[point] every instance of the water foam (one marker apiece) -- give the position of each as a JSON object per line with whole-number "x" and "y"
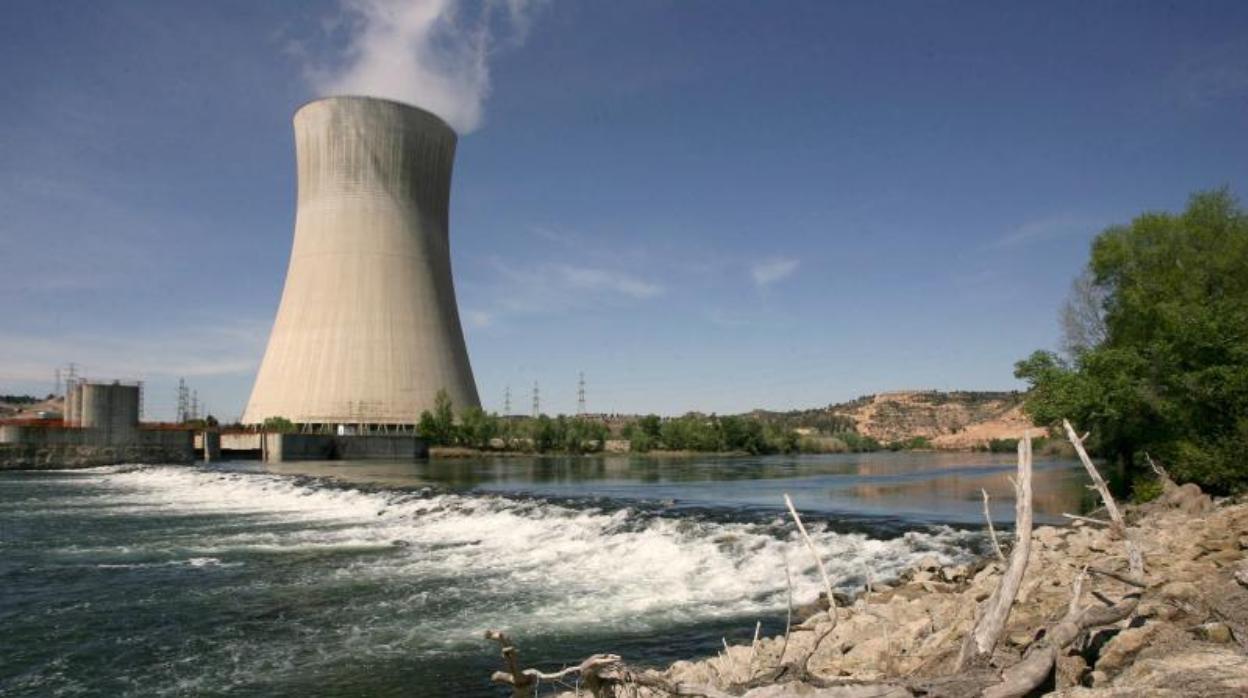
{"x": 274, "y": 579}
{"x": 525, "y": 564}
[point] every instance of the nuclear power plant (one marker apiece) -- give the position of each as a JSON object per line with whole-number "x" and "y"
{"x": 368, "y": 330}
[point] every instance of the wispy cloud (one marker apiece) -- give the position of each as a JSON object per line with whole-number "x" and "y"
{"x": 1215, "y": 75}
{"x": 722, "y": 318}
{"x": 479, "y": 318}
{"x": 773, "y": 270}
{"x": 1040, "y": 230}
{"x": 430, "y": 53}
{"x": 547, "y": 288}
{"x": 587, "y": 278}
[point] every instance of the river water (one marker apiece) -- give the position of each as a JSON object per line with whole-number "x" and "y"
{"x": 380, "y": 578}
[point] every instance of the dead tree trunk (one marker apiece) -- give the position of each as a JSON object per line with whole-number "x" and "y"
{"x": 983, "y": 638}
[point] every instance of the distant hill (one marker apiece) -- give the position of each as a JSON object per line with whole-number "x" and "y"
{"x": 27, "y": 405}
{"x": 954, "y": 420}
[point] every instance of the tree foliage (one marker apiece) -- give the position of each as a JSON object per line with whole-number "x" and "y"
{"x": 280, "y": 425}
{"x": 1170, "y": 374}
{"x": 438, "y": 426}
{"x": 710, "y": 433}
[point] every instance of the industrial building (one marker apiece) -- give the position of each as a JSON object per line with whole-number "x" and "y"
{"x": 100, "y": 426}
{"x": 367, "y": 331}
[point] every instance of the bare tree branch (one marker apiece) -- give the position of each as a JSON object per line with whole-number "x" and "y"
{"x": 810, "y": 545}
{"x": 992, "y": 532}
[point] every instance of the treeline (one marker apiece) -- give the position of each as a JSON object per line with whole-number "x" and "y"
{"x": 479, "y": 429}
{"x": 709, "y": 433}
{"x": 749, "y": 434}
{"x": 23, "y": 399}
{"x": 823, "y": 420}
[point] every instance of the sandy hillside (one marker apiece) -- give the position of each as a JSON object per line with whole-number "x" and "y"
{"x": 953, "y": 420}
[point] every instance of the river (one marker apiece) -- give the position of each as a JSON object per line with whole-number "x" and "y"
{"x": 379, "y": 578}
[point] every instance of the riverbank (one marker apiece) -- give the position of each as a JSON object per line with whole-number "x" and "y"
{"x": 1186, "y": 632}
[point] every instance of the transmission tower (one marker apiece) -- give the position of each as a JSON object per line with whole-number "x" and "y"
{"x": 580, "y": 393}
{"x": 537, "y": 402}
{"x": 507, "y": 402}
{"x": 194, "y": 404}
{"x": 184, "y": 401}
{"x": 70, "y": 375}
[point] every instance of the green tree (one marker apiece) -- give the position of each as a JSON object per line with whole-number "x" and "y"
{"x": 545, "y": 434}
{"x": 280, "y": 425}
{"x": 438, "y": 426}
{"x": 1170, "y": 373}
{"x": 478, "y": 428}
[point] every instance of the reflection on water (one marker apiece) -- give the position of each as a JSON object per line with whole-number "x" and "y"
{"x": 918, "y": 487}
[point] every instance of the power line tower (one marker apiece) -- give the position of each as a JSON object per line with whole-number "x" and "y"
{"x": 70, "y": 375}
{"x": 580, "y": 393}
{"x": 194, "y": 404}
{"x": 184, "y": 401}
{"x": 507, "y": 402}
{"x": 537, "y": 402}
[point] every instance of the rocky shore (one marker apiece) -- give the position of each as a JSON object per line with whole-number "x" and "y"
{"x": 1180, "y": 630}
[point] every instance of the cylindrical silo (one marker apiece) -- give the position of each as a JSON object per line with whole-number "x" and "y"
{"x": 73, "y": 403}
{"x": 367, "y": 330}
{"x": 112, "y": 409}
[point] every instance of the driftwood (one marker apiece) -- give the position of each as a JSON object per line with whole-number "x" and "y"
{"x": 992, "y": 532}
{"x": 983, "y": 638}
{"x": 810, "y": 545}
{"x": 1135, "y": 559}
{"x": 607, "y": 676}
{"x": 1022, "y": 678}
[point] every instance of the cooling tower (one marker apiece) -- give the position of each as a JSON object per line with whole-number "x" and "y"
{"x": 367, "y": 331}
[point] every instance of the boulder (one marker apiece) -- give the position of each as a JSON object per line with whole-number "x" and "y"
{"x": 1118, "y": 652}
{"x": 1070, "y": 670}
{"x": 1214, "y": 632}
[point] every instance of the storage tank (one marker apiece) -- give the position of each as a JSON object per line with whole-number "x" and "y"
{"x": 73, "y": 404}
{"x": 112, "y": 409}
{"x": 367, "y": 330}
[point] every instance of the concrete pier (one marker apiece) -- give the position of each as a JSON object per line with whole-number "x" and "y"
{"x": 211, "y": 441}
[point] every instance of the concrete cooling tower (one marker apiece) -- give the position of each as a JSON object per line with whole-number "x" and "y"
{"x": 367, "y": 331}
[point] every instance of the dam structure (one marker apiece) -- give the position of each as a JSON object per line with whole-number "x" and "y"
{"x": 367, "y": 331}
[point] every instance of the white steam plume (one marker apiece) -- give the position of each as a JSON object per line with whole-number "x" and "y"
{"x": 429, "y": 53}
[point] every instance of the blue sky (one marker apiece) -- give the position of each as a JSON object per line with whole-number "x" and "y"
{"x": 701, "y": 205}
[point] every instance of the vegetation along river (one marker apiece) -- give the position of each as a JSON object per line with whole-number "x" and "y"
{"x": 379, "y": 578}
